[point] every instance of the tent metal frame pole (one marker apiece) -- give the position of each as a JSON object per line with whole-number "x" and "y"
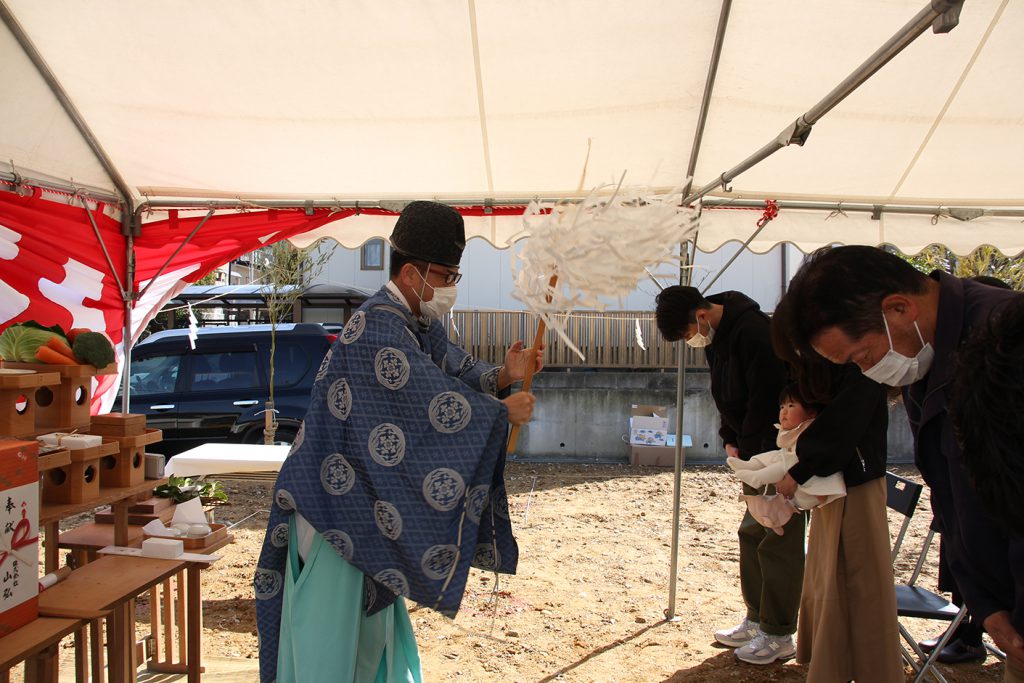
{"x": 735, "y": 256}
{"x": 106, "y": 163}
{"x": 103, "y": 246}
{"x": 126, "y": 339}
{"x": 862, "y": 207}
{"x": 65, "y": 102}
{"x": 176, "y": 251}
{"x": 797, "y": 132}
{"x": 709, "y": 202}
{"x": 26, "y": 179}
{"x": 709, "y": 86}
{"x": 691, "y": 167}
{"x": 942, "y": 14}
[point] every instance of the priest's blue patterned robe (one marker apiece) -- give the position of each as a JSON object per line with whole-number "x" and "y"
{"x": 399, "y": 465}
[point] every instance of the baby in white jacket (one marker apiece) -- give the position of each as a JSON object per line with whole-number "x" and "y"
{"x": 767, "y": 468}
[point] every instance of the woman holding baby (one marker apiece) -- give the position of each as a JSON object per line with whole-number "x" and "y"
{"x": 848, "y": 628}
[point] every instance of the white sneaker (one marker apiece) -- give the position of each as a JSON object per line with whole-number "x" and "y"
{"x": 765, "y": 649}
{"x": 738, "y": 635}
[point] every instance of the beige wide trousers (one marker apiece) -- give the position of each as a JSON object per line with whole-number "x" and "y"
{"x": 848, "y": 629}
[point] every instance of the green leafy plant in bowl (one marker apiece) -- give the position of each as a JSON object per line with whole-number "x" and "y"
{"x": 185, "y": 488}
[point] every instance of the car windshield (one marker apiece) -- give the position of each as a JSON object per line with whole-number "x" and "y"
{"x": 154, "y": 375}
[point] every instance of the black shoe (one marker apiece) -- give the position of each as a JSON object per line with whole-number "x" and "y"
{"x": 958, "y": 652}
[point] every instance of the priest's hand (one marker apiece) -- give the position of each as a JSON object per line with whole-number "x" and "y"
{"x": 516, "y": 362}
{"x": 520, "y": 407}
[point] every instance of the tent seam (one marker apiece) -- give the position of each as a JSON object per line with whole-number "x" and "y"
{"x": 949, "y": 100}
{"x": 481, "y": 108}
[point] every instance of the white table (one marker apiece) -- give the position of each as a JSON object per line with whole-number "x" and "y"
{"x": 222, "y": 458}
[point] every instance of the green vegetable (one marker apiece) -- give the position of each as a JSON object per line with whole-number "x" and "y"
{"x": 19, "y": 343}
{"x": 184, "y": 488}
{"x": 93, "y": 348}
{"x": 56, "y": 329}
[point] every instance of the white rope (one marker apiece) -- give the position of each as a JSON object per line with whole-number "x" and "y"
{"x": 599, "y": 248}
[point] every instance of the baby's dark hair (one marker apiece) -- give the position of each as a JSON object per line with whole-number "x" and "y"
{"x": 791, "y": 392}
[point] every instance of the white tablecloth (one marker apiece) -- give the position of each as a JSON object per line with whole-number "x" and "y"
{"x": 222, "y": 458}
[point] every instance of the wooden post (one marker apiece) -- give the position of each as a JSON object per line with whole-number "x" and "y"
{"x": 81, "y": 654}
{"x": 269, "y": 423}
{"x": 52, "y": 551}
{"x": 120, "y": 509}
{"x": 167, "y": 608}
{"x": 195, "y": 623}
{"x": 179, "y": 613}
{"x": 96, "y": 649}
{"x": 155, "y": 612}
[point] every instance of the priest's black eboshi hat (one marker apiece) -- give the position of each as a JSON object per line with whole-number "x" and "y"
{"x": 431, "y": 232}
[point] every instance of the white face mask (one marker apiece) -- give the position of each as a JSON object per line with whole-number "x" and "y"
{"x": 700, "y": 340}
{"x": 442, "y": 303}
{"x": 898, "y": 370}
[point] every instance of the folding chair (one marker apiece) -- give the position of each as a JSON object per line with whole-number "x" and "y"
{"x": 912, "y": 601}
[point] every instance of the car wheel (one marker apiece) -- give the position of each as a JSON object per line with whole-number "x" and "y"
{"x": 284, "y": 436}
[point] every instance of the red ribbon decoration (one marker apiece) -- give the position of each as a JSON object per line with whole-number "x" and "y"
{"x": 19, "y": 539}
{"x": 771, "y": 210}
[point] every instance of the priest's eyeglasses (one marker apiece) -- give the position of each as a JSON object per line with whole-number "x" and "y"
{"x": 451, "y": 277}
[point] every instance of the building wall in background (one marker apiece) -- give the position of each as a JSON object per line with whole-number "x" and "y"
{"x": 585, "y": 416}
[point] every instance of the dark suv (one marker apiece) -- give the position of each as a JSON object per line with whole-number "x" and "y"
{"x": 218, "y": 391}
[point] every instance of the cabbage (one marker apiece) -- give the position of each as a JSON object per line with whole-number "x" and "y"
{"x": 18, "y": 343}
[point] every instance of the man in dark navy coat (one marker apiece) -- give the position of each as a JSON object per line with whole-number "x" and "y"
{"x": 865, "y": 306}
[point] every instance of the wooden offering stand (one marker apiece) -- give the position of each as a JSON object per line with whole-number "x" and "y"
{"x": 79, "y": 480}
{"x": 63, "y": 406}
{"x": 120, "y": 499}
{"x": 17, "y": 399}
{"x": 101, "y": 589}
{"x": 127, "y": 465}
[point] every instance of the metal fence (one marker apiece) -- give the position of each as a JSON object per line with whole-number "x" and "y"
{"x": 608, "y": 340}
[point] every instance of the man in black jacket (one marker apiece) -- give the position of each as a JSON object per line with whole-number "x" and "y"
{"x": 746, "y": 379}
{"x": 865, "y": 306}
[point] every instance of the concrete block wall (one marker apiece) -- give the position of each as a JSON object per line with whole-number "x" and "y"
{"x": 584, "y": 416}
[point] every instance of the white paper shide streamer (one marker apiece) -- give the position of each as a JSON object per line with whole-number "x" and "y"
{"x": 639, "y": 333}
{"x": 193, "y": 328}
{"x": 599, "y": 249}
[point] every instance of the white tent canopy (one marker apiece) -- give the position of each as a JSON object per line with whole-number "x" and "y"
{"x": 477, "y": 102}
{"x": 497, "y": 101}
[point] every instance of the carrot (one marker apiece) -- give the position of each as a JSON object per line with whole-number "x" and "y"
{"x": 60, "y": 346}
{"x": 74, "y": 332}
{"x": 44, "y": 354}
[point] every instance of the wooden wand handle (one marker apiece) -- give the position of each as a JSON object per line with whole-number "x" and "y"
{"x": 531, "y": 367}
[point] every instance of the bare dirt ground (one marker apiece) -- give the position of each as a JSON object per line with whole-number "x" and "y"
{"x": 589, "y": 601}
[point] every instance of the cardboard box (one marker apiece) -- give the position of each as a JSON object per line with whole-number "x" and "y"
{"x": 657, "y": 456}
{"x": 652, "y": 456}
{"x": 19, "y": 534}
{"x": 648, "y": 425}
